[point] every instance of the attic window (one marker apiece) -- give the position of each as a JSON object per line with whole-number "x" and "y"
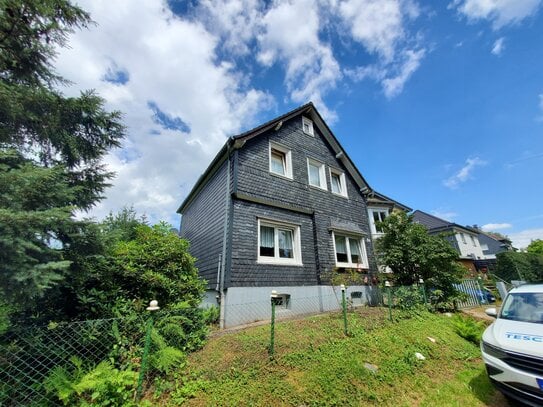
{"x": 280, "y": 161}
{"x": 337, "y": 182}
{"x": 307, "y": 126}
{"x": 316, "y": 173}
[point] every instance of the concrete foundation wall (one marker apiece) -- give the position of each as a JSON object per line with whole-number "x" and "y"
{"x": 244, "y": 305}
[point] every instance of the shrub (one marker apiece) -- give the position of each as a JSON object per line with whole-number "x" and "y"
{"x": 468, "y": 328}
{"x": 102, "y": 385}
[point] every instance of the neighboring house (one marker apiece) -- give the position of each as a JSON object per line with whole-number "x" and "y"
{"x": 492, "y": 244}
{"x": 463, "y": 239}
{"x": 281, "y": 207}
{"x": 379, "y": 208}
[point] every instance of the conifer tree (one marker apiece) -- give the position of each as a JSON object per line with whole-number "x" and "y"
{"x": 51, "y": 147}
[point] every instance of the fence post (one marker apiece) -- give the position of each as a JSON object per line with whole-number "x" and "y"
{"x": 153, "y": 306}
{"x": 344, "y": 305}
{"x": 273, "y": 298}
{"x": 421, "y": 282}
{"x": 387, "y": 284}
{"x": 482, "y": 288}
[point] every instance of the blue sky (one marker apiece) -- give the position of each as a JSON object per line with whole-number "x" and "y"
{"x": 439, "y": 104}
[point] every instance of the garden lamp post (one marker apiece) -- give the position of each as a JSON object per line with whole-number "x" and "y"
{"x": 153, "y": 306}
{"x": 421, "y": 282}
{"x": 387, "y": 285}
{"x": 273, "y": 298}
{"x": 344, "y": 305}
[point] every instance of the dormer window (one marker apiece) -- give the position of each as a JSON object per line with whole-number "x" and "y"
{"x": 307, "y": 126}
{"x": 280, "y": 161}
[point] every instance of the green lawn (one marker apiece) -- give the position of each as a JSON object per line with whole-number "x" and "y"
{"x": 316, "y": 365}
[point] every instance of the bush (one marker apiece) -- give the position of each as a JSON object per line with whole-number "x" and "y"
{"x": 102, "y": 385}
{"x": 520, "y": 266}
{"x": 468, "y": 328}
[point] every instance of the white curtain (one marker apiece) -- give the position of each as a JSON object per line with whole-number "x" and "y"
{"x": 285, "y": 243}
{"x": 341, "y": 247}
{"x": 314, "y": 178}
{"x": 354, "y": 245}
{"x": 266, "y": 236}
{"x": 278, "y": 162}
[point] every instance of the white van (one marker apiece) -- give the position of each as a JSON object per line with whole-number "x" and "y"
{"x": 512, "y": 346}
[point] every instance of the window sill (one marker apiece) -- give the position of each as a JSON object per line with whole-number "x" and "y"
{"x": 340, "y": 195}
{"x": 354, "y": 266}
{"x": 281, "y": 176}
{"x": 318, "y": 188}
{"x": 276, "y": 262}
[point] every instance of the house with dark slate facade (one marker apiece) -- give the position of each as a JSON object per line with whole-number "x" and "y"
{"x": 281, "y": 207}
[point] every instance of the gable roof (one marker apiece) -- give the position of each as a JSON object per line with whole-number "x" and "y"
{"x": 435, "y": 224}
{"x": 238, "y": 141}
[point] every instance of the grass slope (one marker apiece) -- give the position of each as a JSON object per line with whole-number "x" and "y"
{"x": 316, "y": 365}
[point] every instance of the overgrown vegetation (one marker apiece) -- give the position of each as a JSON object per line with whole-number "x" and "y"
{"x": 413, "y": 254}
{"x": 468, "y": 328}
{"x": 316, "y": 365}
{"x": 520, "y": 266}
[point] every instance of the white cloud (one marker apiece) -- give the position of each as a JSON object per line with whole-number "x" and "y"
{"x": 522, "y": 239}
{"x": 290, "y": 36}
{"x": 377, "y": 24}
{"x": 380, "y": 26}
{"x": 498, "y": 46}
{"x": 198, "y": 69}
{"x": 464, "y": 173}
{"x": 236, "y": 21}
{"x": 394, "y": 85}
{"x": 444, "y": 214}
{"x": 490, "y": 227}
{"x": 500, "y": 12}
{"x": 171, "y": 62}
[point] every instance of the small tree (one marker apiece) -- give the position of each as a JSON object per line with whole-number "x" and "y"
{"x": 535, "y": 247}
{"x": 412, "y": 253}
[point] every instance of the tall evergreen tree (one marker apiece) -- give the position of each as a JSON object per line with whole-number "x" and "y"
{"x": 51, "y": 147}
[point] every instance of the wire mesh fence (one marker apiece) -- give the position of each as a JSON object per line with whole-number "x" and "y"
{"x": 47, "y": 365}
{"x": 28, "y": 355}
{"x": 32, "y": 358}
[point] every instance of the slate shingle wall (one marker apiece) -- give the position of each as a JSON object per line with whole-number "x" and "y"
{"x": 254, "y": 179}
{"x": 203, "y": 225}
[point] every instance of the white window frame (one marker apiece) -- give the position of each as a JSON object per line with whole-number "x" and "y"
{"x": 473, "y": 241}
{"x": 309, "y": 123}
{"x": 362, "y": 245}
{"x": 322, "y": 173}
{"x": 342, "y": 183}
{"x": 372, "y": 220}
{"x": 296, "y": 244}
{"x": 463, "y": 237}
{"x": 287, "y": 163}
